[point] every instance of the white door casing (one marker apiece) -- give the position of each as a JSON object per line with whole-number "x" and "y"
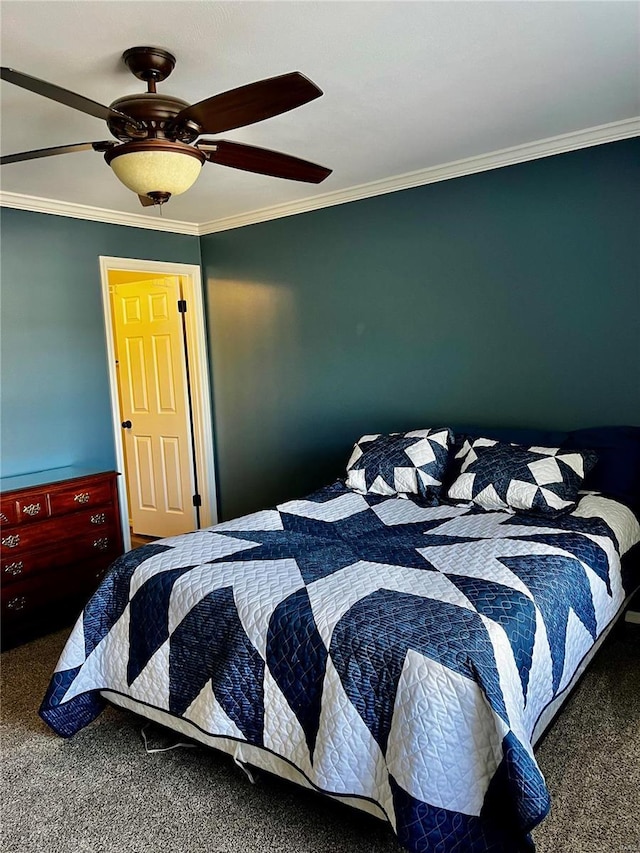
{"x": 195, "y": 336}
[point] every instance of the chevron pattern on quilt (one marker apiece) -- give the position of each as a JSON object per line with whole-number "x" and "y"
{"x": 410, "y": 463}
{"x": 498, "y": 476}
{"x": 388, "y": 650}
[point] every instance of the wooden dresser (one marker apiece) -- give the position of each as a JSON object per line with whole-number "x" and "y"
{"x": 60, "y": 532}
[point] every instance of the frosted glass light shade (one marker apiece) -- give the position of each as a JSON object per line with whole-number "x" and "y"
{"x": 156, "y": 166}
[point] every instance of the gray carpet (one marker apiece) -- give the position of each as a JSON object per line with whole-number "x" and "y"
{"x": 101, "y": 792}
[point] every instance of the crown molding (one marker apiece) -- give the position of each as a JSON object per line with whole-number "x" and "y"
{"x": 95, "y": 214}
{"x": 612, "y": 132}
{"x": 599, "y": 135}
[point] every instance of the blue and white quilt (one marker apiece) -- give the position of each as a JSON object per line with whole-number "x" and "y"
{"x": 391, "y": 652}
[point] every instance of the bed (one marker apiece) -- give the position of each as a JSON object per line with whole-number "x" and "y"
{"x": 398, "y": 652}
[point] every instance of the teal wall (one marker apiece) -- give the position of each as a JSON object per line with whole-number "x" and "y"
{"x": 509, "y": 297}
{"x": 55, "y": 388}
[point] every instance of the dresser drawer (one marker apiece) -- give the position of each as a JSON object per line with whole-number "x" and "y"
{"x": 8, "y": 511}
{"x": 15, "y": 567}
{"x": 99, "y": 525}
{"x": 72, "y": 497}
{"x": 32, "y": 508}
{"x": 23, "y": 600}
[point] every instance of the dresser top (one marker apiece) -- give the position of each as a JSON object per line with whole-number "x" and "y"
{"x": 41, "y": 478}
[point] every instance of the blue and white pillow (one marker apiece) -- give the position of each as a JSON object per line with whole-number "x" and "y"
{"x": 499, "y": 476}
{"x": 401, "y": 463}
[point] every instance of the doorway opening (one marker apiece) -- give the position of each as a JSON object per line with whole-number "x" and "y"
{"x": 160, "y": 397}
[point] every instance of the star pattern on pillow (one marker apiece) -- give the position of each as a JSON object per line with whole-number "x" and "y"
{"x": 401, "y": 463}
{"x": 499, "y": 476}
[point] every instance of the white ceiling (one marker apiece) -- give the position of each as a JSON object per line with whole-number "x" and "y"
{"x": 408, "y": 85}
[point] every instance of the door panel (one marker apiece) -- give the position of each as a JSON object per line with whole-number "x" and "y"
{"x": 162, "y": 359}
{"x": 143, "y": 473}
{"x": 158, "y": 306}
{"x": 153, "y": 393}
{"x": 136, "y": 371}
{"x": 131, "y": 309}
{"x": 172, "y": 474}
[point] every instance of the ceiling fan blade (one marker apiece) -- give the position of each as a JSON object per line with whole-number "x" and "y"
{"x": 145, "y": 201}
{"x": 261, "y": 160}
{"x": 63, "y": 96}
{"x": 58, "y": 149}
{"x": 251, "y": 103}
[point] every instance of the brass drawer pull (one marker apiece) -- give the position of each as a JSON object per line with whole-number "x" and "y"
{"x": 17, "y": 603}
{"x": 11, "y": 541}
{"x": 82, "y": 497}
{"x": 32, "y": 509}
{"x": 3, "y": 518}
{"x": 101, "y": 544}
{"x": 14, "y": 568}
{"x": 98, "y": 518}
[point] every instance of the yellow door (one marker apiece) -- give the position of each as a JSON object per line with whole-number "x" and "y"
{"x": 152, "y": 380}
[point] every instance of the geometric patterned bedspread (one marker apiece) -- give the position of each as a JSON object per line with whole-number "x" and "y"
{"x": 389, "y": 651}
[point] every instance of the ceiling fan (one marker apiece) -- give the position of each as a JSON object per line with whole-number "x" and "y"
{"x": 159, "y": 154}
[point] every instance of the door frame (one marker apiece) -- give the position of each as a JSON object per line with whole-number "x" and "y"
{"x": 197, "y": 354}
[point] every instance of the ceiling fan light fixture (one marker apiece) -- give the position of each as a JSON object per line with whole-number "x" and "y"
{"x": 156, "y": 166}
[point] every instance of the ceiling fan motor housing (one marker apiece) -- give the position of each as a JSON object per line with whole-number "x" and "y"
{"x": 155, "y": 112}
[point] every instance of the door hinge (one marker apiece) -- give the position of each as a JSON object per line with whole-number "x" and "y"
{"x": 182, "y": 306}
{"x": 197, "y": 500}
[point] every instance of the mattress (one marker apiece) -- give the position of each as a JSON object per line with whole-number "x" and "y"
{"x": 398, "y": 657}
